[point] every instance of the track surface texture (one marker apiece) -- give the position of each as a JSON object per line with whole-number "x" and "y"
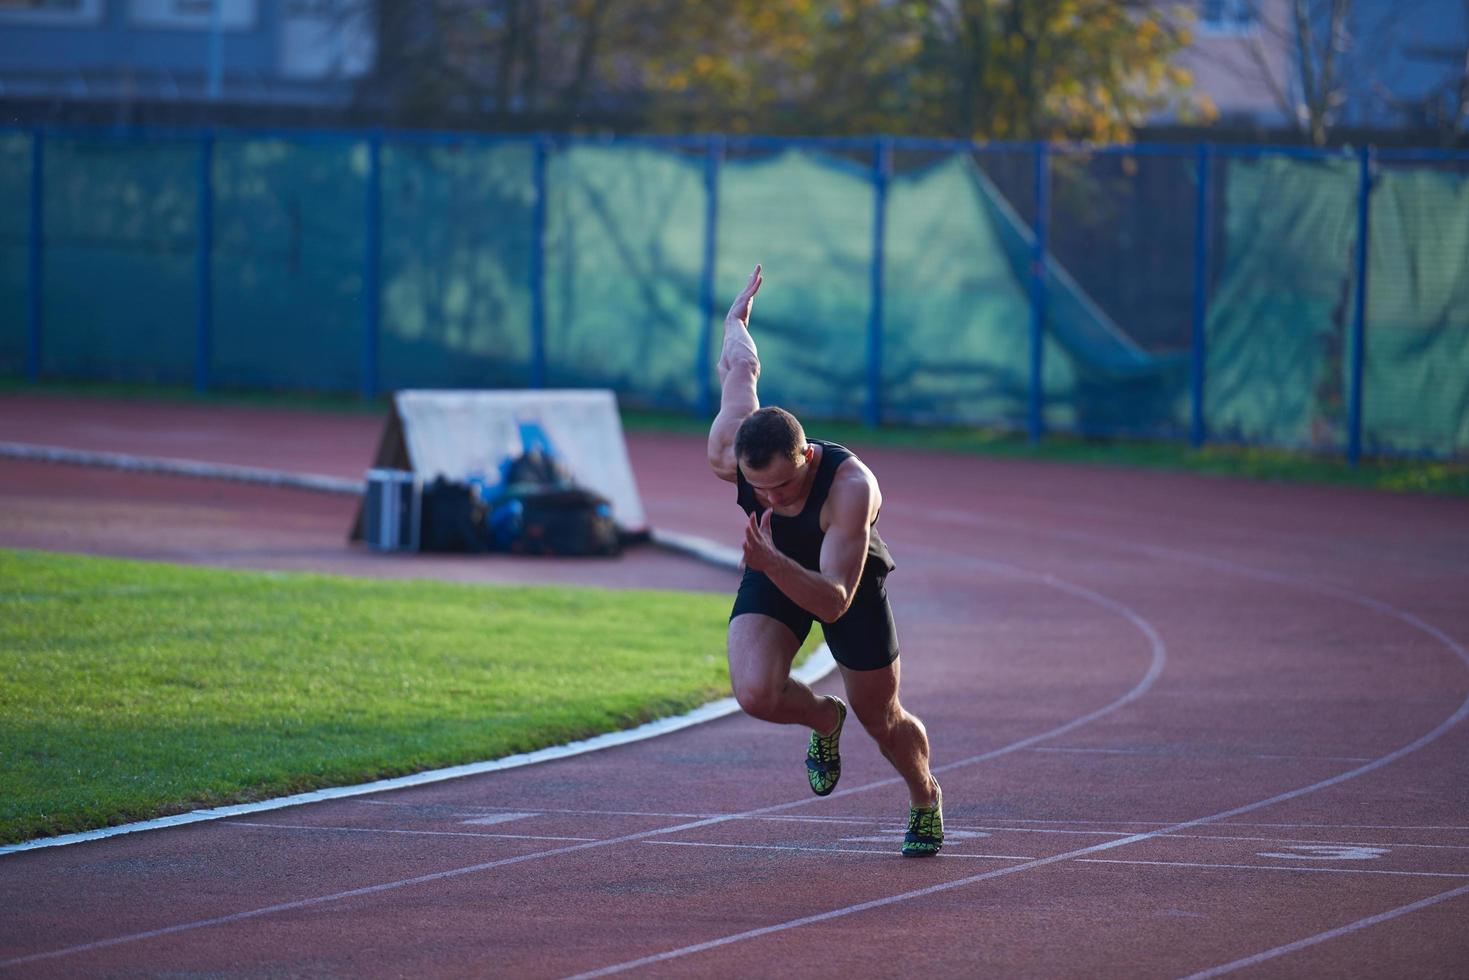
{"x": 1185, "y": 726}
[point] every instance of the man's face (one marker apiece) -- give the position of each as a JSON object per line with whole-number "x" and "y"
{"x": 782, "y": 481}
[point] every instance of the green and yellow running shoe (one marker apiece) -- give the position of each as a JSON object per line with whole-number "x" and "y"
{"x": 925, "y": 828}
{"x": 823, "y": 761}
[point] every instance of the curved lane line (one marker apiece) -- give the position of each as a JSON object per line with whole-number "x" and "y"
{"x": 1278, "y": 578}
{"x": 1155, "y": 665}
{"x": 1157, "y": 660}
{"x": 1322, "y": 937}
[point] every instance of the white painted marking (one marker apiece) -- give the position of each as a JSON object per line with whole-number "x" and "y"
{"x": 1160, "y": 753}
{"x": 462, "y": 810}
{"x": 388, "y": 830}
{"x": 1281, "y": 867}
{"x": 499, "y": 818}
{"x": 1322, "y": 937}
{"x": 890, "y": 834}
{"x": 1331, "y": 843}
{"x": 1328, "y": 852}
{"x": 1247, "y": 823}
{"x": 890, "y": 852}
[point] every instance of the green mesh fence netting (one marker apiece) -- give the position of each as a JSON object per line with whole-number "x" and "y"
{"x": 624, "y": 257}
{"x": 956, "y": 325}
{"x": 1416, "y": 364}
{"x": 623, "y": 267}
{"x": 807, "y": 217}
{"x": 1281, "y": 308}
{"x": 15, "y": 224}
{"x": 288, "y": 259}
{"x": 120, "y": 270}
{"x": 457, "y": 236}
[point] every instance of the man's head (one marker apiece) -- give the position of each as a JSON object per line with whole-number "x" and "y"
{"x": 772, "y": 452}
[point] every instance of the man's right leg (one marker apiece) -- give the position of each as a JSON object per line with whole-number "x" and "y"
{"x": 761, "y": 650}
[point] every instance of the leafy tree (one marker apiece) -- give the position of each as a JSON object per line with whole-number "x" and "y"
{"x": 1087, "y": 69}
{"x": 1021, "y": 69}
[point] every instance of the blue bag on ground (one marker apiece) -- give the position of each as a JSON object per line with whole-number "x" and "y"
{"x": 541, "y": 511}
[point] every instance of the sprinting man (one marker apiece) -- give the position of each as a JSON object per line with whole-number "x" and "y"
{"x": 812, "y": 552}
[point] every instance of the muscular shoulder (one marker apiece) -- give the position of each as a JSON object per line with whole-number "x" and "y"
{"x": 854, "y": 499}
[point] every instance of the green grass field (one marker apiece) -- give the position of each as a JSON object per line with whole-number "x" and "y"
{"x": 135, "y": 689}
{"x": 1392, "y": 474}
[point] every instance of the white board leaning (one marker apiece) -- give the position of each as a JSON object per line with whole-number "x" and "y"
{"x": 464, "y": 434}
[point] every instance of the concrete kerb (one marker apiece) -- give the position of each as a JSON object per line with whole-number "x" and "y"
{"x": 817, "y": 666}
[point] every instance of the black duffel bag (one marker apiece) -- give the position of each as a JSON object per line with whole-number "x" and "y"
{"x": 453, "y": 518}
{"x": 528, "y": 519}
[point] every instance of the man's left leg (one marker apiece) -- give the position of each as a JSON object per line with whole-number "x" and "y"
{"x": 873, "y": 696}
{"x": 902, "y": 739}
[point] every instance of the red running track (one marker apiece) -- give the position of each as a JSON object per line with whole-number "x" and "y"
{"x": 1183, "y": 724}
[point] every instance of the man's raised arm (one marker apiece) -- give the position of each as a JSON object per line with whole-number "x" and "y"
{"x": 739, "y": 370}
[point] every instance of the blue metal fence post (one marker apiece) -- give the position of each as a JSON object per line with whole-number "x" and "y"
{"x": 204, "y": 271}
{"x": 1203, "y": 239}
{"x": 538, "y": 270}
{"x": 712, "y": 160}
{"x": 882, "y": 165}
{"x": 372, "y": 267}
{"x": 1038, "y": 289}
{"x": 35, "y": 256}
{"x": 1359, "y": 315}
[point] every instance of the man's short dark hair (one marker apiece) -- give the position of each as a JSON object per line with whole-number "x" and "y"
{"x": 766, "y": 434}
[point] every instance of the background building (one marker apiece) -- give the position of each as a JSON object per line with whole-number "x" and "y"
{"x": 1361, "y": 64}
{"x": 131, "y": 54}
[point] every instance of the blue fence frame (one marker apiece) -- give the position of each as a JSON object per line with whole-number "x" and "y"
{"x": 715, "y": 148}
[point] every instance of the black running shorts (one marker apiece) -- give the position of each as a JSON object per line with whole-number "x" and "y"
{"x": 863, "y": 639}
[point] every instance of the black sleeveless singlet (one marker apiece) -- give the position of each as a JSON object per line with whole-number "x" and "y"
{"x": 800, "y": 537}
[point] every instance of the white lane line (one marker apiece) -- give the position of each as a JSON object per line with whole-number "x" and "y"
{"x": 1279, "y": 867}
{"x": 1330, "y": 934}
{"x": 825, "y": 850}
{"x": 386, "y": 830}
{"x": 1222, "y": 757}
{"x": 1157, "y": 648}
{"x": 1350, "y": 826}
{"x": 1332, "y": 843}
{"x": 1249, "y": 823}
{"x": 462, "y": 810}
{"x": 1438, "y": 731}
{"x": 1157, "y": 659}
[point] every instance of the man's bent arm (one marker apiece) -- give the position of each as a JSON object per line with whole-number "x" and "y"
{"x": 827, "y": 594}
{"x": 739, "y": 371}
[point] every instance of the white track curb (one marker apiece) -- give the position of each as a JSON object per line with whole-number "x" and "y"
{"x": 816, "y": 667}
{"x": 180, "y": 467}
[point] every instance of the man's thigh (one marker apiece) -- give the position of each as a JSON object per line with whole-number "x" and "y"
{"x": 873, "y": 694}
{"x": 761, "y": 649}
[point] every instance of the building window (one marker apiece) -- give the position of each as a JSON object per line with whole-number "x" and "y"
{"x": 1227, "y": 17}
{"x": 193, "y": 15}
{"x": 51, "y": 13}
